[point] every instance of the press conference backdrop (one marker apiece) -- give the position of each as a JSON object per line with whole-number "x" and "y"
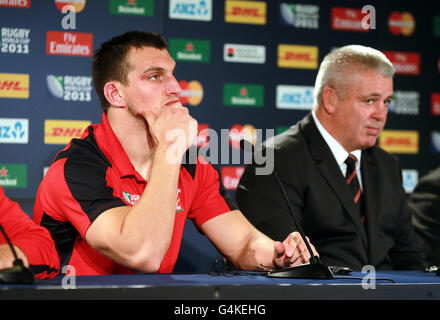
{"x": 244, "y": 67}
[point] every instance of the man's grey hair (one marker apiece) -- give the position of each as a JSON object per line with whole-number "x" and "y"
{"x": 339, "y": 64}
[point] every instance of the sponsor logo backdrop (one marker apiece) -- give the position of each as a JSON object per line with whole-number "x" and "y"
{"x": 242, "y": 65}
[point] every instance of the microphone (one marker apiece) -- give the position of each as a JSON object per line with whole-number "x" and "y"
{"x": 18, "y": 273}
{"x": 315, "y": 269}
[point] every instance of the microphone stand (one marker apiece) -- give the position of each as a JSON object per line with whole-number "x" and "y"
{"x": 315, "y": 269}
{"x": 18, "y": 273}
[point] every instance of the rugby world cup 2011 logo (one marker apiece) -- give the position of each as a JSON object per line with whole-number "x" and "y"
{"x": 70, "y": 88}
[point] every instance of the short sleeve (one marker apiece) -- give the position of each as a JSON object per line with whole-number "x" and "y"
{"x": 208, "y": 203}
{"x": 76, "y": 191}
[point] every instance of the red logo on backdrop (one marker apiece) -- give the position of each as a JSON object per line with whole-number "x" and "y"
{"x": 202, "y": 135}
{"x": 78, "y": 5}
{"x": 231, "y": 176}
{"x": 404, "y": 62}
{"x": 435, "y": 104}
{"x": 238, "y": 132}
{"x": 401, "y": 23}
{"x": 192, "y": 92}
{"x": 348, "y": 19}
{"x": 69, "y": 43}
{"x": 235, "y": 135}
{"x": 24, "y": 4}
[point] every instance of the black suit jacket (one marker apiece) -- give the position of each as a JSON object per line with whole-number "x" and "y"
{"x": 319, "y": 195}
{"x": 425, "y": 205}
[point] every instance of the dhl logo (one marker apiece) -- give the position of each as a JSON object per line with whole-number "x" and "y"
{"x": 67, "y": 132}
{"x": 400, "y": 141}
{"x": 249, "y": 12}
{"x": 11, "y": 86}
{"x": 14, "y": 85}
{"x": 62, "y": 131}
{"x": 298, "y": 56}
{"x": 294, "y": 56}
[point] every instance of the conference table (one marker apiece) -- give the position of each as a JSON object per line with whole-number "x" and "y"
{"x": 379, "y": 285}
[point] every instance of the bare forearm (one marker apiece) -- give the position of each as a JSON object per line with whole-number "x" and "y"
{"x": 145, "y": 229}
{"x": 156, "y": 206}
{"x": 249, "y": 249}
{"x": 240, "y": 242}
{"x": 257, "y": 254}
{"x": 7, "y": 257}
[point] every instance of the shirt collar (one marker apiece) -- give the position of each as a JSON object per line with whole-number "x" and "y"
{"x": 336, "y": 148}
{"x": 113, "y": 150}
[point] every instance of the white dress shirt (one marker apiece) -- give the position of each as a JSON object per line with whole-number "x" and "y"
{"x": 338, "y": 150}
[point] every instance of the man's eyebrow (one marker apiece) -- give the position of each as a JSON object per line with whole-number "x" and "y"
{"x": 378, "y": 95}
{"x": 150, "y": 69}
{"x": 156, "y": 68}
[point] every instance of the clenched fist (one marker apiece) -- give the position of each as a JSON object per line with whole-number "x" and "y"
{"x": 173, "y": 129}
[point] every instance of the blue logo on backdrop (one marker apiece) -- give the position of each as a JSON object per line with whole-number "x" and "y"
{"x": 435, "y": 141}
{"x": 410, "y": 179}
{"x": 295, "y": 97}
{"x": 191, "y": 9}
{"x": 14, "y": 130}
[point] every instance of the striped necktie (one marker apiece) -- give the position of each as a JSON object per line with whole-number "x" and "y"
{"x": 353, "y": 183}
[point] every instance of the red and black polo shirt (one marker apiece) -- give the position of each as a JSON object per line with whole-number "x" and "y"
{"x": 31, "y": 238}
{"x": 94, "y": 174}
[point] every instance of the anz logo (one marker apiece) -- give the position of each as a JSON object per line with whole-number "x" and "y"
{"x": 14, "y": 130}
{"x": 191, "y": 9}
{"x": 295, "y": 97}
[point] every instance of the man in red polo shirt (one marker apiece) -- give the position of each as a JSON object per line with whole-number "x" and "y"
{"x": 116, "y": 200}
{"x": 32, "y": 243}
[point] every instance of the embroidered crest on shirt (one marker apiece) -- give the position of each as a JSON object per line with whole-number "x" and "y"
{"x": 133, "y": 198}
{"x": 179, "y": 207}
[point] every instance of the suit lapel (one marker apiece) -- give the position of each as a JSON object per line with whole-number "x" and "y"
{"x": 328, "y": 167}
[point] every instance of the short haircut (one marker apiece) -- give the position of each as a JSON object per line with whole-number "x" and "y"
{"x": 337, "y": 66}
{"x": 110, "y": 60}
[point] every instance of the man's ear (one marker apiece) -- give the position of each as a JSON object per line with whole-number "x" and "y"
{"x": 329, "y": 99}
{"x": 113, "y": 94}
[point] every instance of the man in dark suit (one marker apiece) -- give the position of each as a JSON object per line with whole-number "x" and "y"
{"x": 346, "y": 190}
{"x": 425, "y": 206}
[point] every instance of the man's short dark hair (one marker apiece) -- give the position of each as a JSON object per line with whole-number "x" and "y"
{"x": 110, "y": 60}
